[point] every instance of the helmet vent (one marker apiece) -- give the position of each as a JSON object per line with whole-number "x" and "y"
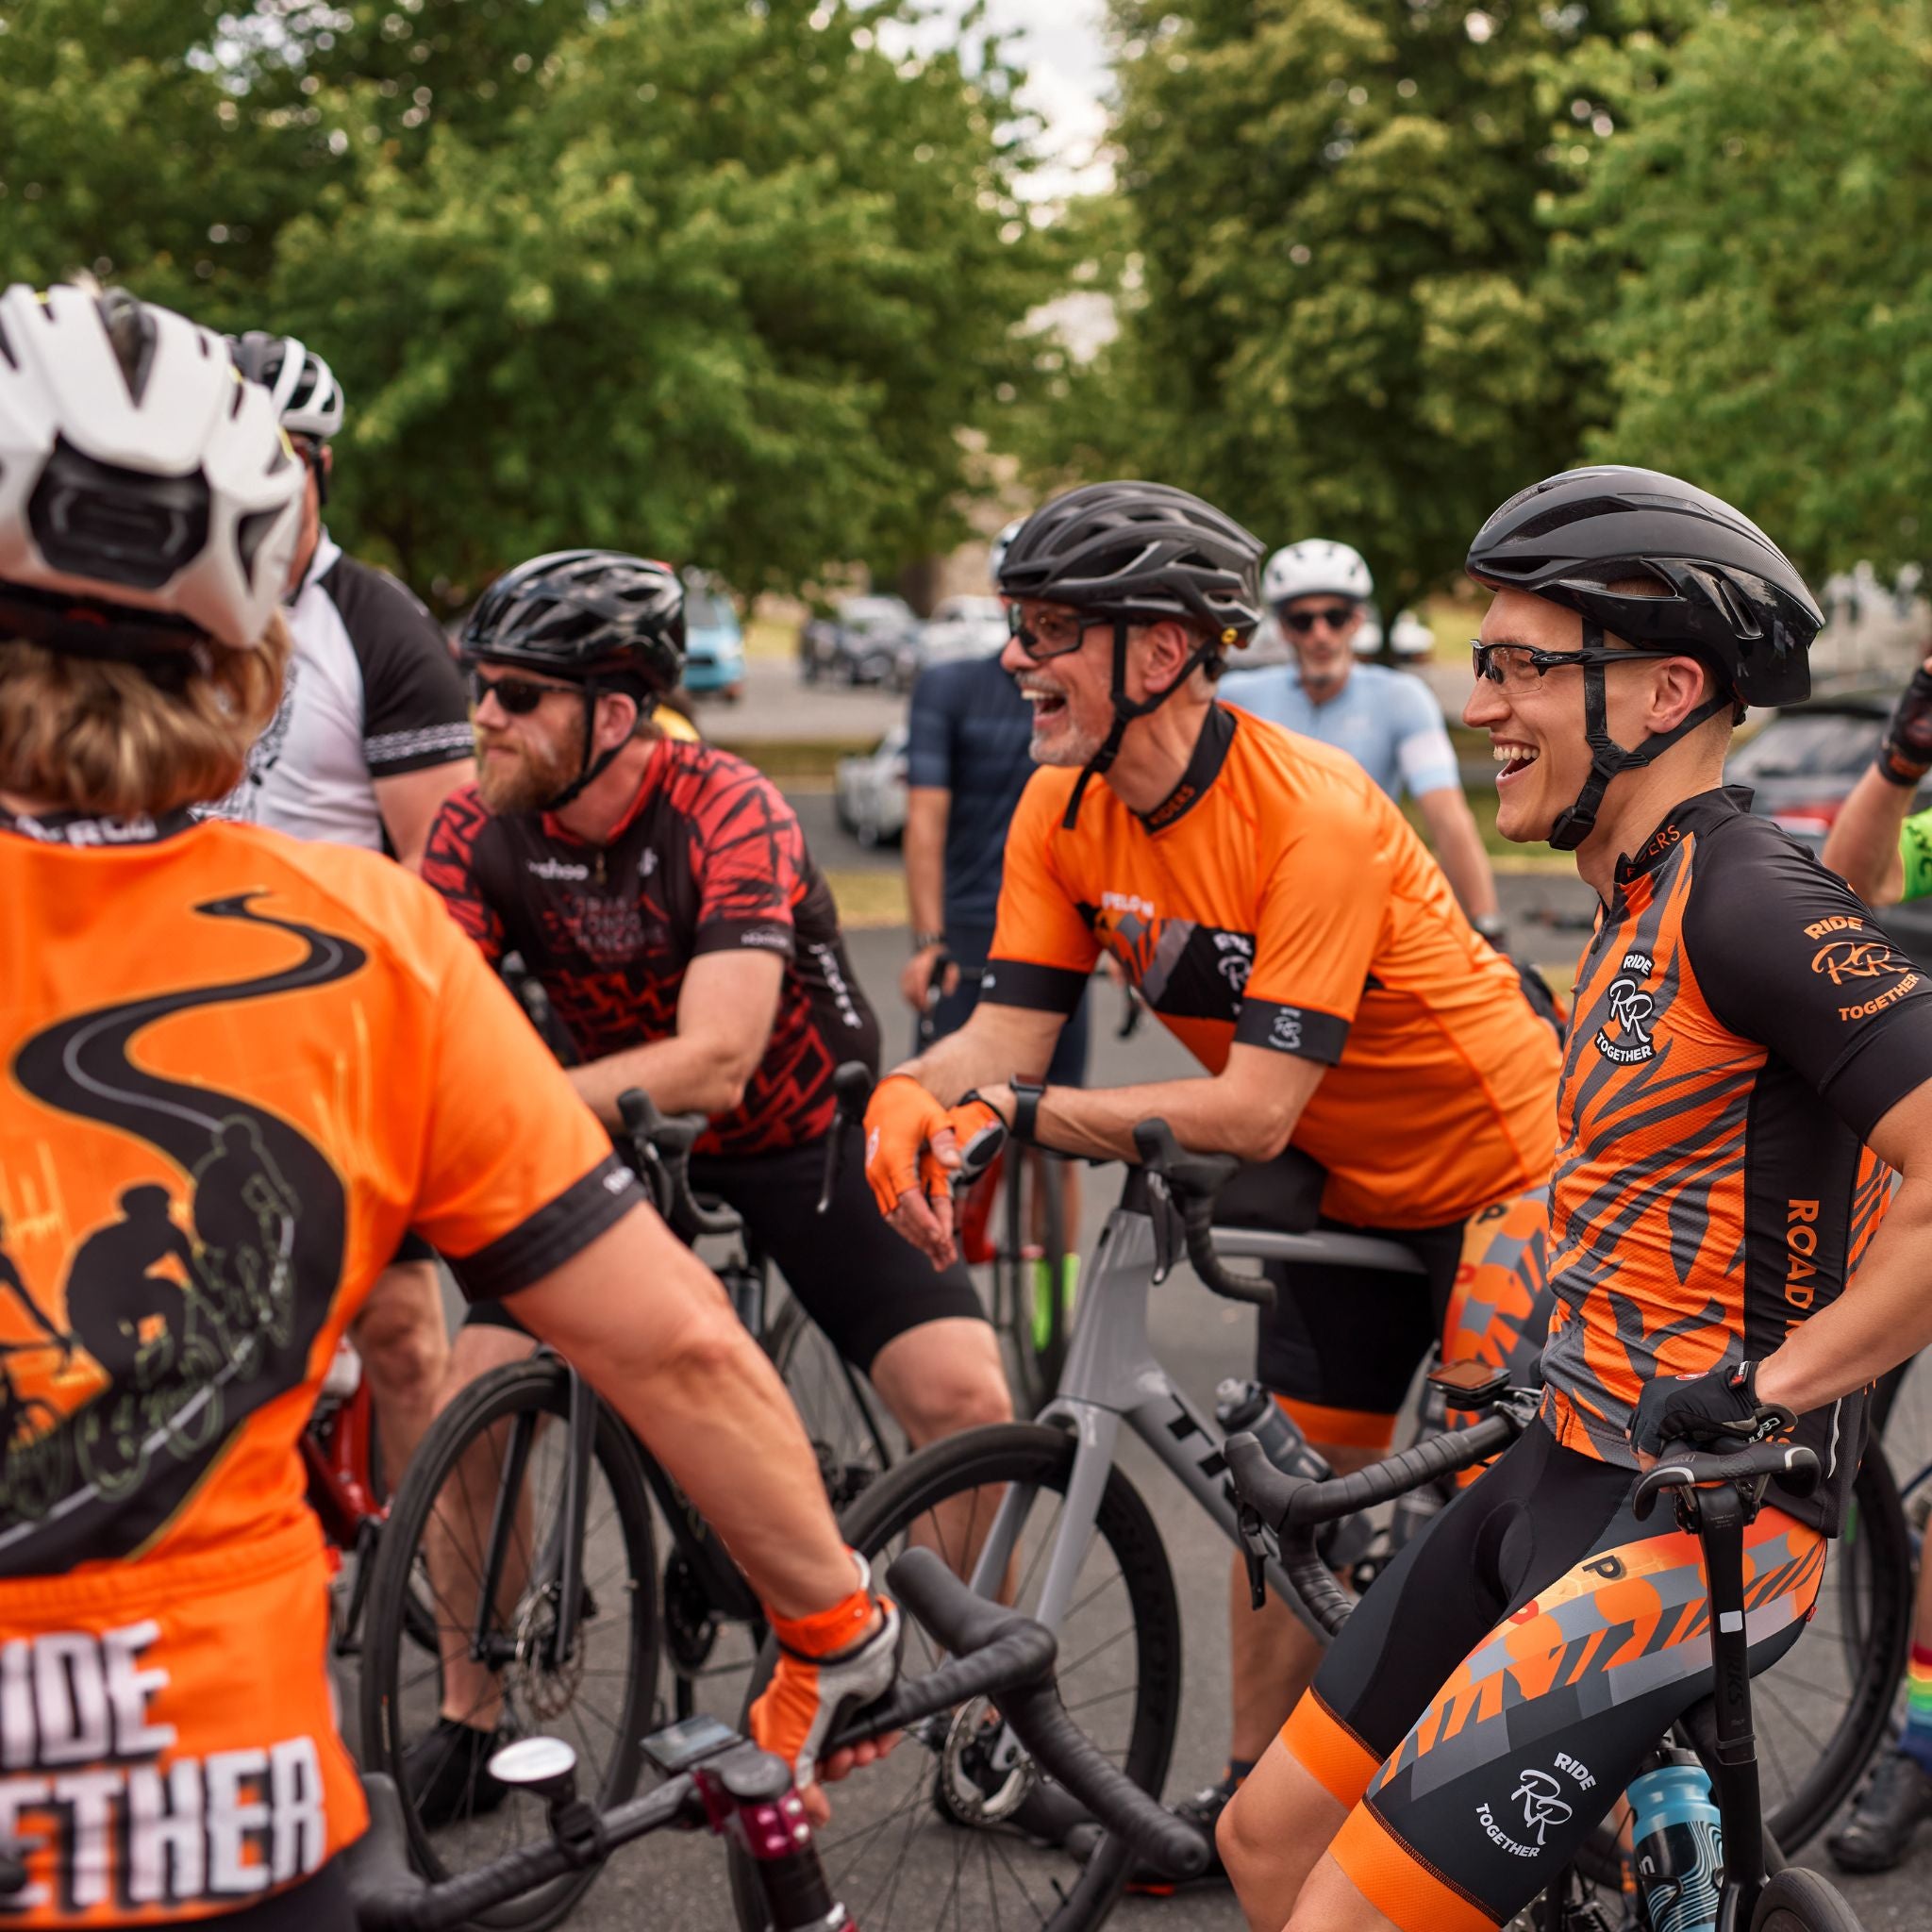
{"x": 93, "y": 520}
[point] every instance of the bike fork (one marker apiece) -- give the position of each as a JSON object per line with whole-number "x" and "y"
{"x": 1734, "y": 1766}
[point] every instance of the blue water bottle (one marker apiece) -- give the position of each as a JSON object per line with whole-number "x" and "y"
{"x": 1677, "y": 1848}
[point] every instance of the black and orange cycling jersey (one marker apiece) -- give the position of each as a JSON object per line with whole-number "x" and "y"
{"x": 708, "y": 858}
{"x": 1278, "y": 899}
{"x": 238, "y": 1069}
{"x": 1703, "y": 1203}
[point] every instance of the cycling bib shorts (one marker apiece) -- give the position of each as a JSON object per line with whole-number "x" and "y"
{"x": 1496, "y": 1692}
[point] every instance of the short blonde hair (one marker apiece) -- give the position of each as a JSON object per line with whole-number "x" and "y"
{"x": 102, "y": 735}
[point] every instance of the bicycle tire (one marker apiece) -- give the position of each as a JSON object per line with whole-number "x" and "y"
{"x": 1796, "y": 1899}
{"x": 391, "y": 1695}
{"x": 1872, "y": 1571}
{"x": 1141, "y": 1740}
{"x": 420, "y": 1616}
{"x": 844, "y": 1416}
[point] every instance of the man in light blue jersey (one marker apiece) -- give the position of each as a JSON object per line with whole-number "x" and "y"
{"x": 1388, "y": 721}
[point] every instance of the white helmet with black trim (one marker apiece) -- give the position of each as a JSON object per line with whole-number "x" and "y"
{"x": 139, "y": 477}
{"x": 1409, "y": 638}
{"x": 1316, "y": 568}
{"x": 307, "y": 397}
{"x": 996, "y": 554}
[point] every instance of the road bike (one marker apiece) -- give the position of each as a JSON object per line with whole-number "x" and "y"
{"x": 1043, "y": 1514}
{"x": 1000, "y": 1670}
{"x": 1717, "y": 1493}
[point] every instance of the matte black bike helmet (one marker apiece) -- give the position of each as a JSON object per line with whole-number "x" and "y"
{"x": 1139, "y": 552}
{"x": 1737, "y": 603}
{"x": 600, "y": 618}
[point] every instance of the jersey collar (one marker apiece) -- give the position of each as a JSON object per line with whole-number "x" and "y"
{"x": 647, "y": 790}
{"x": 83, "y": 831}
{"x": 1695, "y": 814}
{"x": 1204, "y": 767}
{"x": 326, "y": 553}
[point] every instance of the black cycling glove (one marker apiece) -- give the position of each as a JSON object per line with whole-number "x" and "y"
{"x": 1720, "y": 1405}
{"x": 1905, "y": 756}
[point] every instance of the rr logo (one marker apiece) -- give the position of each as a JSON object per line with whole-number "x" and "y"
{"x": 1543, "y": 1802}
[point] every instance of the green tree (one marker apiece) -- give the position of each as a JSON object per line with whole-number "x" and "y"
{"x": 1336, "y": 317}
{"x": 1753, "y": 244}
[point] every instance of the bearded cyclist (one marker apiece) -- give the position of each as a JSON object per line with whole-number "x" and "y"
{"x": 1387, "y": 719}
{"x": 370, "y": 735}
{"x": 170, "y": 1750}
{"x": 1881, "y": 844}
{"x": 1282, "y": 919}
{"x": 662, "y": 895}
{"x": 1746, "y": 1050}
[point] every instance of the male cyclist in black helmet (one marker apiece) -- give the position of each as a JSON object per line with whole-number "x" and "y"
{"x": 1747, "y": 1051}
{"x": 662, "y": 895}
{"x": 1283, "y": 921}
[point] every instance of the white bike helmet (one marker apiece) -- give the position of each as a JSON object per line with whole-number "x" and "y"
{"x": 138, "y": 472}
{"x": 1001, "y": 544}
{"x": 307, "y": 395}
{"x": 1316, "y": 568}
{"x": 1409, "y": 638}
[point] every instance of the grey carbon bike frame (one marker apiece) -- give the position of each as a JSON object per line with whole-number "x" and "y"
{"x": 1113, "y": 1380}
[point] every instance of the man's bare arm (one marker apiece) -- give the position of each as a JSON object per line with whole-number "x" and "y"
{"x": 1459, "y": 848}
{"x": 927, "y": 809}
{"x": 651, "y": 1327}
{"x": 997, "y": 1044}
{"x": 1884, "y": 1316}
{"x": 409, "y": 801}
{"x": 1862, "y": 844}
{"x": 724, "y": 1013}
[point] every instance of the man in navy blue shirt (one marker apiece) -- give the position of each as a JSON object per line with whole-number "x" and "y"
{"x": 967, "y": 760}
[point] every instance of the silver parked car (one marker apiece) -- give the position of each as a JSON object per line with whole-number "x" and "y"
{"x": 869, "y": 791}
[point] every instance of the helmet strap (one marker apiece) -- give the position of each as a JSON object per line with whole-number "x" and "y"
{"x": 1577, "y": 821}
{"x": 594, "y": 767}
{"x": 1126, "y": 711}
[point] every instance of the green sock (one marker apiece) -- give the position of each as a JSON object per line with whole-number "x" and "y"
{"x": 1042, "y": 1299}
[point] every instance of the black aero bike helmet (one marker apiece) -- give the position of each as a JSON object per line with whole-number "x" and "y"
{"x": 1736, "y": 603}
{"x": 1139, "y": 552}
{"x": 600, "y": 618}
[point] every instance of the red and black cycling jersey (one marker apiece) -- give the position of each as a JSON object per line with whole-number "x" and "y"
{"x": 708, "y": 858}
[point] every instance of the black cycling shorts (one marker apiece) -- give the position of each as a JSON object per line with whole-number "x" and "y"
{"x": 1496, "y": 1692}
{"x": 1340, "y": 1345}
{"x": 413, "y": 1248}
{"x": 860, "y": 1282}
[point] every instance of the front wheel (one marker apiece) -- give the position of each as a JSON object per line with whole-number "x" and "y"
{"x": 1032, "y": 1291}
{"x": 1796, "y": 1899}
{"x": 946, "y": 1830}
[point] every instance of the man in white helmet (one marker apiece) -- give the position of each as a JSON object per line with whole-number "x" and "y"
{"x": 1388, "y": 721}
{"x": 372, "y": 735}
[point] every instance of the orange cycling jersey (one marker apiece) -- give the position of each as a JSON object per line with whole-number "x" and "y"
{"x": 238, "y": 1069}
{"x": 1277, "y": 899}
{"x": 1703, "y": 1203}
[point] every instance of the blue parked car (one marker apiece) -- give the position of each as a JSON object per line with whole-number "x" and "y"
{"x": 714, "y": 644}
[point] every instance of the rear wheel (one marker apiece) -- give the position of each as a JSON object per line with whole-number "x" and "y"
{"x": 1800, "y": 1901}
{"x": 943, "y": 1832}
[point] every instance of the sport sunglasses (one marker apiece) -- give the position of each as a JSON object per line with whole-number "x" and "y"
{"x": 1303, "y": 622}
{"x": 516, "y": 695}
{"x": 1518, "y": 666}
{"x": 1055, "y": 637}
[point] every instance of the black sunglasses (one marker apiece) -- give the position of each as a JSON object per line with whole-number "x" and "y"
{"x": 516, "y": 695}
{"x": 1059, "y": 638}
{"x": 1513, "y": 668}
{"x": 1303, "y": 622}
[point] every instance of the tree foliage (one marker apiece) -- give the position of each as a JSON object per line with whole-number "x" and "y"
{"x": 716, "y": 279}
{"x": 1754, "y": 240}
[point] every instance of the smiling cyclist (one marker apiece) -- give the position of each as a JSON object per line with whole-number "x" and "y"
{"x": 1282, "y": 919}
{"x": 1743, "y": 1034}
{"x": 237, "y": 1060}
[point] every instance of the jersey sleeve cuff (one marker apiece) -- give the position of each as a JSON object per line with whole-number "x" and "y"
{"x": 745, "y": 935}
{"x": 1306, "y": 1032}
{"x": 1040, "y": 988}
{"x": 390, "y": 753}
{"x": 548, "y": 1238}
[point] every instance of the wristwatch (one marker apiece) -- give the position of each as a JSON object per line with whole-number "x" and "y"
{"x": 1027, "y": 1094}
{"x": 921, "y": 942}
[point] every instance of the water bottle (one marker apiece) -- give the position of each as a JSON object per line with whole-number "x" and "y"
{"x": 1239, "y": 1406}
{"x": 1677, "y": 1848}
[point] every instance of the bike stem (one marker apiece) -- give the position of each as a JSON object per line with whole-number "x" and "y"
{"x": 1721, "y": 1519}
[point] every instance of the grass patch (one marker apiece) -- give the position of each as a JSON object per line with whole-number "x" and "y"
{"x": 869, "y": 899}
{"x": 767, "y": 636}
{"x": 788, "y": 758}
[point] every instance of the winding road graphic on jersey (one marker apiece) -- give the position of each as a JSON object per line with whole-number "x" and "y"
{"x": 195, "y": 1330}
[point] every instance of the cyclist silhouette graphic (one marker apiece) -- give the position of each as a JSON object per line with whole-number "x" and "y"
{"x": 113, "y": 1291}
{"x": 244, "y": 1217}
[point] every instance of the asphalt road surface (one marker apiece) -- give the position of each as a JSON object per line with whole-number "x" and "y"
{"x": 681, "y": 1883}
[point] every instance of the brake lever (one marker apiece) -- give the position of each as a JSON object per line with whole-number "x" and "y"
{"x": 1169, "y": 1233}
{"x": 852, "y": 1086}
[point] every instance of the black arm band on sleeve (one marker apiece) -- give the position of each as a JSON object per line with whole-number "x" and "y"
{"x": 1043, "y": 988}
{"x": 1303, "y": 1031}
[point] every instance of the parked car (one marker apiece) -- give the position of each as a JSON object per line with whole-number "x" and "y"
{"x": 713, "y": 642}
{"x": 860, "y": 641}
{"x": 1802, "y": 764}
{"x": 958, "y": 627}
{"x": 869, "y": 791}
